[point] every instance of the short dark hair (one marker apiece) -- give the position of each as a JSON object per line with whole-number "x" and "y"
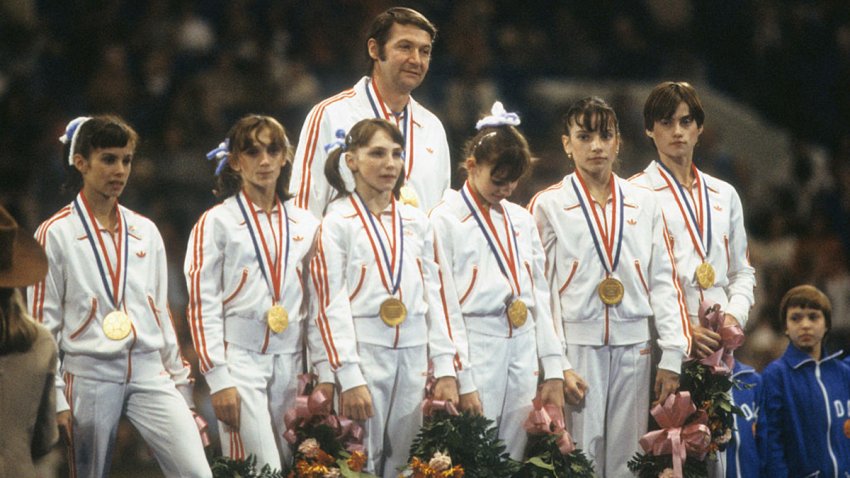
{"x": 503, "y": 147}
{"x": 98, "y": 132}
{"x": 383, "y": 23}
{"x": 591, "y": 113}
{"x": 242, "y": 136}
{"x": 806, "y": 297}
{"x": 666, "y": 97}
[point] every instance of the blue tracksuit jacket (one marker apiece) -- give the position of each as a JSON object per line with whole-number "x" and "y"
{"x": 742, "y": 459}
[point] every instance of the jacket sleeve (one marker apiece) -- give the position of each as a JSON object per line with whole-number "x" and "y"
{"x": 203, "y": 270}
{"x": 549, "y": 241}
{"x": 550, "y": 349}
{"x": 312, "y": 191}
{"x": 318, "y": 358}
{"x": 742, "y": 275}
{"x": 771, "y": 449}
{"x": 172, "y": 358}
{"x": 441, "y": 349}
{"x": 666, "y": 297}
{"x": 334, "y": 320}
{"x": 45, "y": 301}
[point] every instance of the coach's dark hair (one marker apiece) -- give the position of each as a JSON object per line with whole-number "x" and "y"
{"x": 383, "y": 23}
{"x": 666, "y": 97}
{"x": 502, "y": 147}
{"x": 359, "y": 136}
{"x": 243, "y": 135}
{"x": 98, "y": 132}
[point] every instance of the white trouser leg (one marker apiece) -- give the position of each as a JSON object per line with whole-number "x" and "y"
{"x": 586, "y": 421}
{"x": 628, "y": 406}
{"x": 96, "y": 410}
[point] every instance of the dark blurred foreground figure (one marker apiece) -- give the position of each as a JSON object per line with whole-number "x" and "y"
{"x": 27, "y": 358}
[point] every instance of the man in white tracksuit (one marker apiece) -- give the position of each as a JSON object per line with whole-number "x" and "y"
{"x": 399, "y": 48}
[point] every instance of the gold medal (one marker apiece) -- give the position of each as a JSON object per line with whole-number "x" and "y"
{"x": 611, "y": 291}
{"x": 705, "y": 275}
{"x": 393, "y": 312}
{"x": 408, "y": 196}
{"x": 116, "y": 325}
{"x": 278, "y": 318}
{"x": 517, "y": 313}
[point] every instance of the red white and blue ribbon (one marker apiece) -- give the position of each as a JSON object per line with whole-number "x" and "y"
{"x": 389, "y": 264}
{"x": 695, "y": 211}
{"x": 273, "y": 269}
{"x": 607, "y": 236}
{"x": 114, "y": 279}
{"x": 404, "y": 121}
{"x": 506, "y": 257}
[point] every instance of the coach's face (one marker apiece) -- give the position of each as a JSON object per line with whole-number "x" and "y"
{"x": 402, "y": 63}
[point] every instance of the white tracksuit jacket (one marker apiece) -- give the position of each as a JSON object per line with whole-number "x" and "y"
{"x": 474, "y": 283}
{"x": 228, "y": 293}
{"x": 350, "y": 292}
{"x": 427, "y": 162}
{"x": 645, "y": 269}
{"x": 72, "y": 302}
{"x": 728, "y": 253}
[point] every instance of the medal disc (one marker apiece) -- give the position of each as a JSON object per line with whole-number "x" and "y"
{"x": 517, "y": 313}
{"x": 278, "y": 318}
{"x": 408, "y": 196}
{"x": 705, "y": 275}
{"x": 611, "y": 291}
{"x": 116, "y": 325}
{"x": 393, "y": 312}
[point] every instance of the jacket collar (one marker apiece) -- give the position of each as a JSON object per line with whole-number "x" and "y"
{"x": 796, "y": 358}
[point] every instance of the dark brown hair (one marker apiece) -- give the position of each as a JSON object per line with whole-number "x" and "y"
{"x": 666, "y": 97}
{"x": 383, "y": 23}
{"x": 243, "y": 135}
{"x": 359, "y": 136}
{"x": 503, "y": 147}
{"x": 17, "y": 330}
{"x": 592, "y": 114}
{"x": 99, "y": 132}
{"x": 806, "y": 297}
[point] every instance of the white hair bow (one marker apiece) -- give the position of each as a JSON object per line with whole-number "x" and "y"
{"x": 498, "y": 117}
{"x": 220, "y": 153}
{"x": 71, "y": 135}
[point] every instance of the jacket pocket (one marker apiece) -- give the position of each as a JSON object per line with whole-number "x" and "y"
{"x": 88, "y": 321}
{"x": 569, "y": 278}
{"x": 726, "y": 245}
{"x": 359, "y": 283}
{"x": 152, "y": 305}
{"x": 471, "y": 284}
{"x": 238, "y": 287}
{"x": 640, "y": 275}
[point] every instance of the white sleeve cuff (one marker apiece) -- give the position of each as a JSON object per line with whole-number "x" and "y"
{"x": 739, "y": 308}
{"x": 671, "y": 359}
{"x": 466, "y": 382}
{"x": 219, "y": 378}
{"x": 443, "y": 366}
{"x": 552, "y": 367}
{"x": 350, "y": 376}
{"x": 323, "y": 372}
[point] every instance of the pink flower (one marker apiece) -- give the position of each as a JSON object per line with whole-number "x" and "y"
{"x": 309, "y": 448}
{"x": 440, "y": 462}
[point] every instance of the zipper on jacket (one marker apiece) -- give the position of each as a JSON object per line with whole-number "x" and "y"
{"x": 828, "y": 416}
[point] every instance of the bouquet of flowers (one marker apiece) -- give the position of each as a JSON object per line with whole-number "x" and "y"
{"x": 551, "y": 451}
{"x": 326, "y": 446}
{"x": 697, "y": 421}
{"x": 451, "y": 444}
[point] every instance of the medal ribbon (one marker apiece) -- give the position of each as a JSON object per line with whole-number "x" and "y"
{"x": 277, "y": 267}
{"x": 698, "y": 221}
{"x": 613, "y": 243}
{"x": 507, "y": 260}
{"x": 118, "y": 275}
{"x": 388, "y": 266}
{"x": 404, "y": 121}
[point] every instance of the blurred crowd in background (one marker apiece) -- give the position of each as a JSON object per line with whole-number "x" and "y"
{"x": 183, "y": 71}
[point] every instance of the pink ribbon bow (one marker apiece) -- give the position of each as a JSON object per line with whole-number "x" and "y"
{"x": 316, "y": 406}
{"x": 675, "y": 437}
{"x": 429, "y": 406}
{"x": 203, "y": 428}
{"x": 731, "y": 337}
{"x": 549, "y": 419}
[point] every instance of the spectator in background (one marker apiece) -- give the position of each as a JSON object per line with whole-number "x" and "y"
{"x": 27, "y": 357}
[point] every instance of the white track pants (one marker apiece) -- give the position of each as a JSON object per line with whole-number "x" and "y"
{"x": 609, "y": 423}
{"x": 505, "y": 373}
{"x": 154, "y": 407}
{"x": 267, "y": 386}
{"x": 396, "y": 381}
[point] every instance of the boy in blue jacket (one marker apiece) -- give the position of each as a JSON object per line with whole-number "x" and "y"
{"x": 806, "y": 395}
